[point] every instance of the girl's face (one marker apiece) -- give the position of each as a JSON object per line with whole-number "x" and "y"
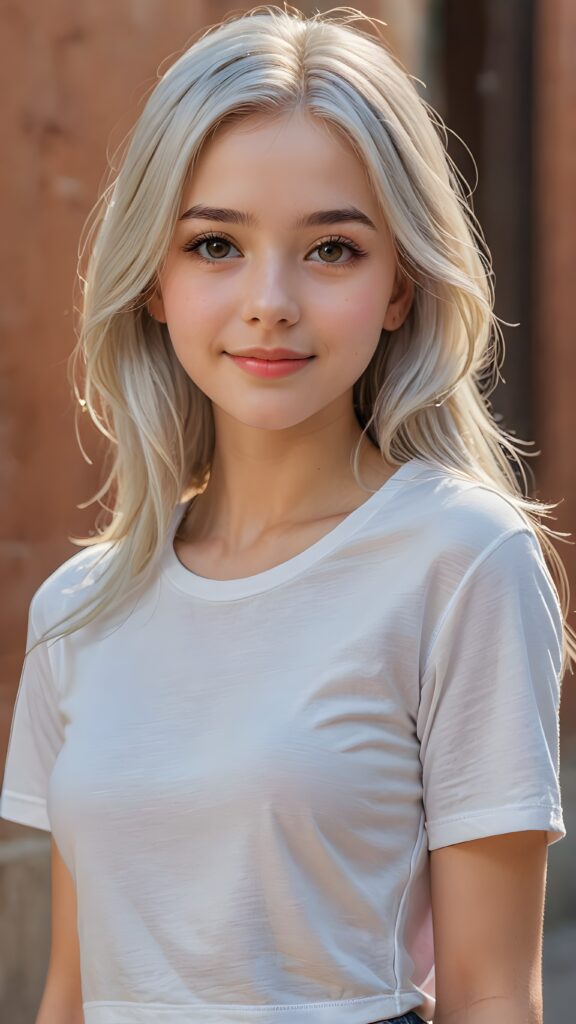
{"x": 297, "y": 257}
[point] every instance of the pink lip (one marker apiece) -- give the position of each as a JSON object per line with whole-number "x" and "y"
{"x": 269, "y": 367}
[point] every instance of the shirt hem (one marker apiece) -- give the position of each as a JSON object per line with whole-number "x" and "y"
{"x": 348, "y": 1011}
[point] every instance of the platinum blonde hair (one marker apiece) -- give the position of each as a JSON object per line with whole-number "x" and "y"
{"x": 424, "y": 395}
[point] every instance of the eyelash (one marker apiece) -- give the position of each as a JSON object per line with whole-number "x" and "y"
{"x": 210, "y": 236}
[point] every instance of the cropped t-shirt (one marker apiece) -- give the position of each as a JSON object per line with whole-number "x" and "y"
{"x": 246, "y": 777}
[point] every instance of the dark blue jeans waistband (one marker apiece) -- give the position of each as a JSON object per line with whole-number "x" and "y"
{"x": 406, "y": 1018}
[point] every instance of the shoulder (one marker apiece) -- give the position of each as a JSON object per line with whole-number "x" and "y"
{"x": 460, "y": 517}
{"x": 74, "y": 583}
{"x": 67, "y": 587}
{"x": 465, "y": 545}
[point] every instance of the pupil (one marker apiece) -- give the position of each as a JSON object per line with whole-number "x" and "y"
{"x": 216, "y": 243}
{"x": 330, "y": 246}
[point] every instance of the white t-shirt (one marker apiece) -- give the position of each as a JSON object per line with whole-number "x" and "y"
{"x": 245, "y": 776}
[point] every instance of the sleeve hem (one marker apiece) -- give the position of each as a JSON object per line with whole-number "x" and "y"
{"x": 497, "y": 821}
{"x": 26, "y": 810}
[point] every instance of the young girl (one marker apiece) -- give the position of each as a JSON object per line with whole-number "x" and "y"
{"x": 292, "y": 715}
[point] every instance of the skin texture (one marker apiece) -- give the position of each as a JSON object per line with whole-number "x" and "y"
{"x": 62, "y": 997}
{"x": 283, "y": 446}
{"x": 488, "y": 908}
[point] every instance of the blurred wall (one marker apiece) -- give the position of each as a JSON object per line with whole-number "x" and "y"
{"x": 552, "y": 280}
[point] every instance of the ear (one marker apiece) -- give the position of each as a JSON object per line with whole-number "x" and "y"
{"x": 155, "y": 306}
{"x": 400, "y": 302}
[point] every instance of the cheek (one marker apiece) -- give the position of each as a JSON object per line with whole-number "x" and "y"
{"x": 355, "y": 311}
{"x": 191, "y": 310}
{"x": 352, "y": 324}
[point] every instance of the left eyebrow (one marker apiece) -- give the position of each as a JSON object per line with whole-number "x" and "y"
{"x": 319, "y": 217}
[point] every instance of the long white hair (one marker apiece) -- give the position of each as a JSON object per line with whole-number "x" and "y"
{"x": 425, "y": 395}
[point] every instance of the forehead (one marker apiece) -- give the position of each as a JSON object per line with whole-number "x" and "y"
{"x": 293, "y": 159}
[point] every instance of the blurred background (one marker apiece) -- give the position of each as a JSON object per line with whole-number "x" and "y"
{"x": 73, "y": 77}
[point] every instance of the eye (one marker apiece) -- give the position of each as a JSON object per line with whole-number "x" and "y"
{"x": 209, "y": 239}
{"x": 334, "y": 245}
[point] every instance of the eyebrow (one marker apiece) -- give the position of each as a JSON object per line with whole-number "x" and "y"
{"x": 319, "y": 217}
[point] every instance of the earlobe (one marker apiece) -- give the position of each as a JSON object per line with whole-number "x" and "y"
{"x": 155, "y": 307}
{"x": 399, "y": 305}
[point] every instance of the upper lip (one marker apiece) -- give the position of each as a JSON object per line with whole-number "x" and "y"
{"x": 269, "y": 353}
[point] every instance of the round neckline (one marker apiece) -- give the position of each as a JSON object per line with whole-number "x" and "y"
{"x": 244, "y": 586}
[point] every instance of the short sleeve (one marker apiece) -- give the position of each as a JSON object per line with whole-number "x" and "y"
{"x": 36, "y": 736}
{"x": 488, "y": 718}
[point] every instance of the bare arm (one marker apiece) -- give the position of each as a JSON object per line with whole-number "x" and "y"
{"x": 487, "y": 909}
{"x": 62, "y": 999}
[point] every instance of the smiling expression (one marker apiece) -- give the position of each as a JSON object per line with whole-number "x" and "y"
{"x": 280, "y": 243}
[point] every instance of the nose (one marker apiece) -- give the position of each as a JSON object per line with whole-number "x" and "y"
{"x": 268, "y": 294}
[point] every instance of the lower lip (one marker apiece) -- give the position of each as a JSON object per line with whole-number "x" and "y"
{"x": 270, "y": 367}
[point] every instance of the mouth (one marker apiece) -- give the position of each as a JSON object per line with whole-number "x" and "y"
{"x": 275, "y": 359}
{"x": 270, "y": 368}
